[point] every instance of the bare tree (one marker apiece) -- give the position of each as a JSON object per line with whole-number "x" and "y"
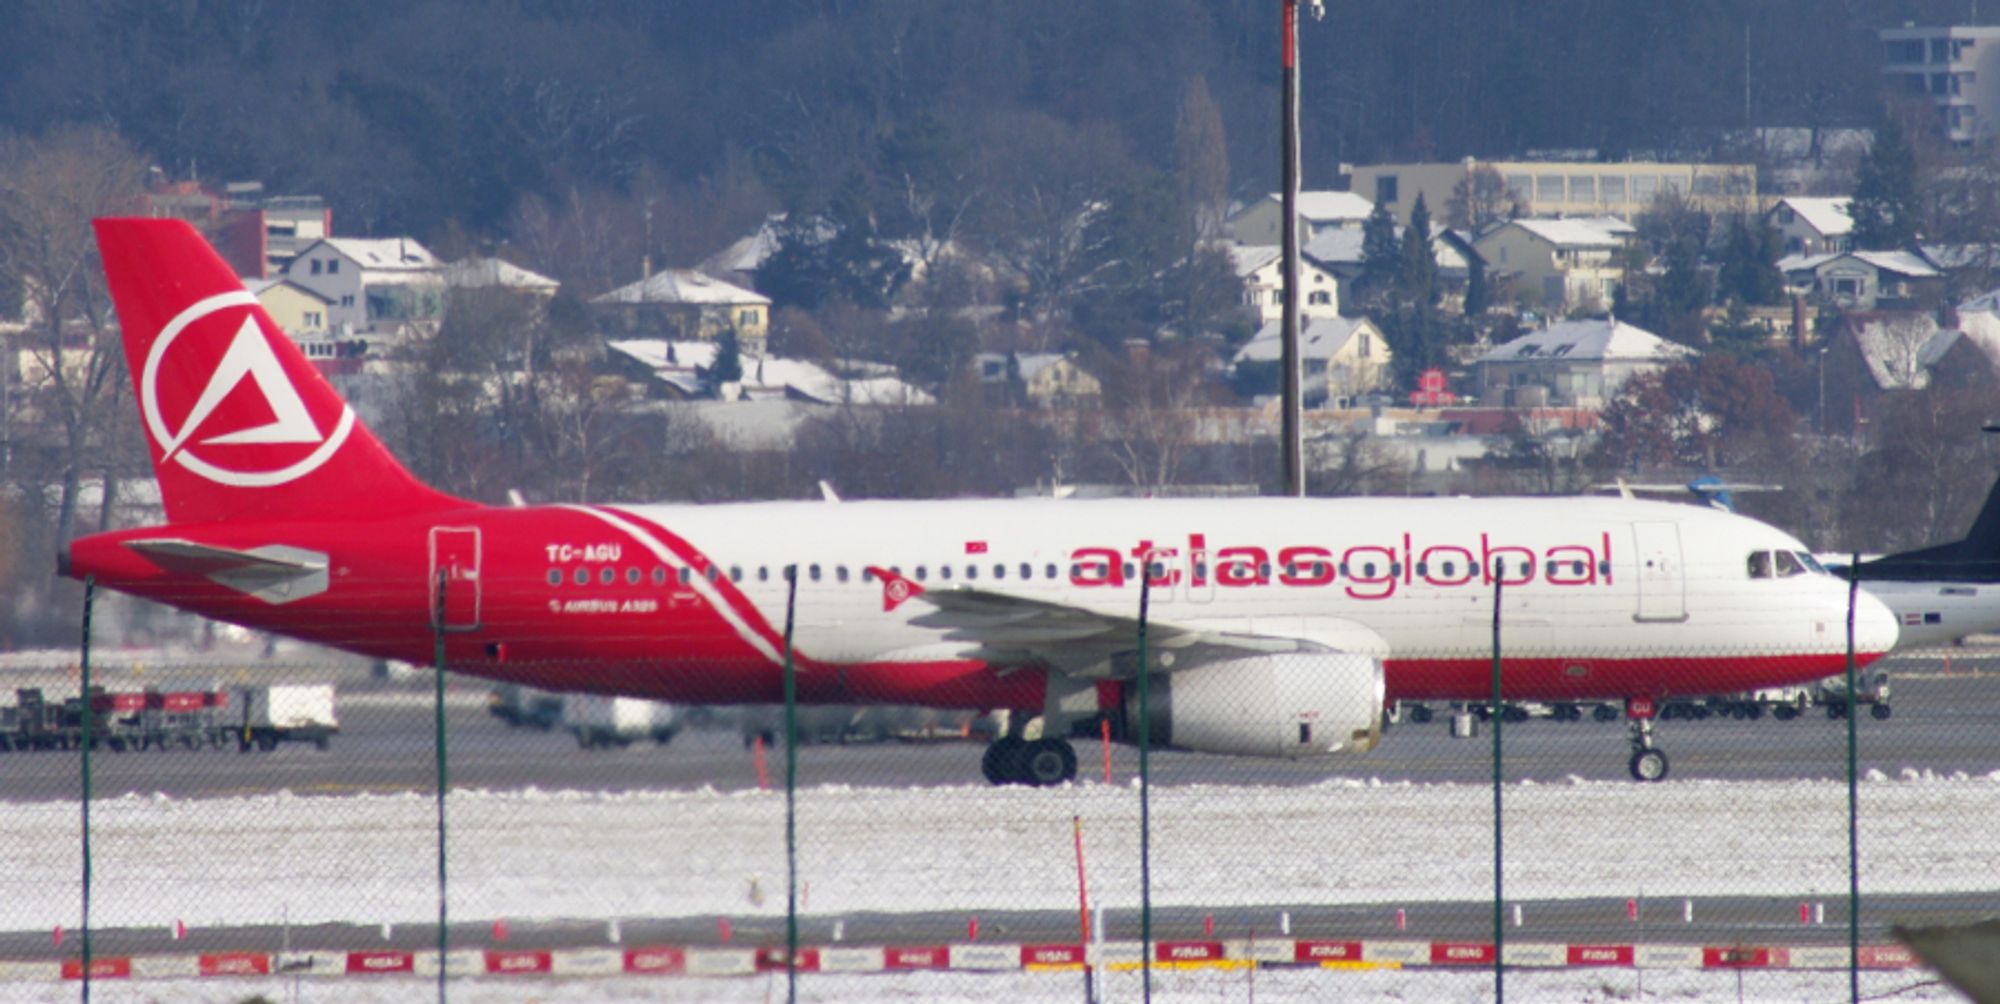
{"x": 72, "y": 362}
{"x": 1152, "y": 418}
{"x": 1480, "y": 198}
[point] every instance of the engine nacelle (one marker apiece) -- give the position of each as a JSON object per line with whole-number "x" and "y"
{"x": 1289, "y": 705}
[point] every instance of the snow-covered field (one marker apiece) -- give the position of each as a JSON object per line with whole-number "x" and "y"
{"x": 542, "y": 855}
{"x": 1289, "y": 987}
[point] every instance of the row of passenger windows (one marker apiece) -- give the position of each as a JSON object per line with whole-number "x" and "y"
{"x": 1317, "y": 569}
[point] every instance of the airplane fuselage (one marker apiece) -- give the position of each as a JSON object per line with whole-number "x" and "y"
{"x": 1601, "y": 598}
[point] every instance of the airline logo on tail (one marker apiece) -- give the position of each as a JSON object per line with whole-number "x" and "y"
{"x": 245, "y": 398}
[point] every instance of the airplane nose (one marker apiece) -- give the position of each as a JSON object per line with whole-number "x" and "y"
{"x": 1875, "y": 626}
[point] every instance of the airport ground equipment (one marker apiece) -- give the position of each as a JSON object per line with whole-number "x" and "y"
{"x": 285, "y": 713}
{"x": 525, "y": 706}
{"x": 600, "y": 722}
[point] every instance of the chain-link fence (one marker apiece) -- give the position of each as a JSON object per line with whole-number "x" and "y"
{"x": 229, "y": 816}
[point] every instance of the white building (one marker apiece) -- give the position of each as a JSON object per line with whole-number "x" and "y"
{"x": 1341, "y": 356}
{"x": 1573, "y": 364}
{"x": 373, "y": 285}
{"x": 1262, "y": 222}
{"x": 1956, "y": 69}
{"x": 1260, "y": 267}
{"x": 1810, "y": 226}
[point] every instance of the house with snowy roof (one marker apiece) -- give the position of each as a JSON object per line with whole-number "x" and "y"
{"x": 476, "y": 272}
{"x": 680, "y": 304}
{"x": 1573, "y": 364}
{"x": 682, "y": 370}
{"x": 1811, "y": 225}
{"x": 380, "y": 286}
{"x": 1046, "y": 378}
{"x": 1862, "y": 280}
{"x": 1567, "y": 262}
{"x": 1259, "y": 267}
{"x": 1339, "y": 357}
{"x": 1262, "y": 222}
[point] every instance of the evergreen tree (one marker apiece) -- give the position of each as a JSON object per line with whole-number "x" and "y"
{"x": 1381, "y": 253}
{"x": 1886, "y": 211}
{"x": 1477, "y": 296}
{"x": 1416, "y": 278}
{"x": 728, "y": 365}
{"x": 1749, "y": 272}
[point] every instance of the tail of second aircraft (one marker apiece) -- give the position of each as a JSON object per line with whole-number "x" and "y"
{"x": 240, "y": 424}
{"x": 1973, "y": 558}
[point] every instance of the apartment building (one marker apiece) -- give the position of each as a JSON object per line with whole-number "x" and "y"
{"x": 1956, "y": 69}
{"x": 1563, "y": 188}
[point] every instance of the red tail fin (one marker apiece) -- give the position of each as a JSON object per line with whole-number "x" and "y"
{"x": 240, "y": 424}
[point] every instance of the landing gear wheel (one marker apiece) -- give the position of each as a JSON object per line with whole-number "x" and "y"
{"x": 1879, "y": 712}
{"x": 1047, "y": 762}
{"x": 1649, "y": 765}
{"x": 1419, "y": 714}
{"x": 1604, "y": 713}
{"x": 1001, "y": 764}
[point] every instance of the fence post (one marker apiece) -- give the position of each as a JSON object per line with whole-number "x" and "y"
{"x": 89, "y": 599}
{"x": 443, "y": 781}
{"x": 1853, "y": 807}
{"x": 1145, "y": 804}
{"x": 791, "y": 793}
{"x": 1499, "y": 716}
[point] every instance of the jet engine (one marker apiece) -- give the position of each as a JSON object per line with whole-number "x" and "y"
{"x": 1289, "y": 705}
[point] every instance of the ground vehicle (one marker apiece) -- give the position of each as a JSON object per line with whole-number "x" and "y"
{"x": 275, "y": 713}
{"x": 599, "y": 721}
{"x": 1872, "y": 689}
{"x": 519, "y": 705}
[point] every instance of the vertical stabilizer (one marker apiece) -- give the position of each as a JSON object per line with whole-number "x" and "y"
{"x": 240, "y": 424}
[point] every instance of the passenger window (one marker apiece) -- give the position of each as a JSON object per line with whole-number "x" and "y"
{"x": 813, "y": 570}
{"x": 1760, "y": 564}
{"x": 582, "y": 576}
{"x": 999, "y": 571}
{"x": 632, "y": 576}
{"x": 736, "y": 573}
{"x": 659, "y": 575}
{"x": 685, "y": 575}
{"x": 1049, "y": 570}
{"x": 920, "y": 573}
{"x": 555, "y": 576}
{"x": 972, "y": 571}
{"x": 944, "y": 571}
{"x": 608, "y": 576}
{"x": 1027, "y": 570}
{"x": 763, "y": 573}
{"x": 840, "y": 573}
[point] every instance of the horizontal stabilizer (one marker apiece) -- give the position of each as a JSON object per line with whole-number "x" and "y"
{"x": 273, "y": 573}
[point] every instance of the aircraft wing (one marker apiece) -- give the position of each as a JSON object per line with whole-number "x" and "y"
{"x": 1004, "y": 627}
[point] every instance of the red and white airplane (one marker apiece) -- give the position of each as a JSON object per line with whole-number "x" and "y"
{"x": 1278, "y": 627}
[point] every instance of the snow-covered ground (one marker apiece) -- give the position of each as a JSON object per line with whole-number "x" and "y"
{"x": 1288, "y": 987}
{"x": 541, "y": 855}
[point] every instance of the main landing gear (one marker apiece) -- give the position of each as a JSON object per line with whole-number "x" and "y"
{"x": 1648, "y": 763}
{"x": 1036, "y": 762}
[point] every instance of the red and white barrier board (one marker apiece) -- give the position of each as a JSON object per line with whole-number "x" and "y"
{"x": 684, "y": 961}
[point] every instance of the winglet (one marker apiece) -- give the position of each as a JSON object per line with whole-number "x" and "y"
{"x": 896, "y": 590}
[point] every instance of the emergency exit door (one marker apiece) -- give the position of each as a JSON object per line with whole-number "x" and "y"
{"x": 454, "y": 578}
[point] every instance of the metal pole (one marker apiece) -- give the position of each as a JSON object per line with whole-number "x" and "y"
{"x": 1289, "y": 391}
{"x": 1853, "y": 793}
{"x": 89, "y": 599}
{"x": 1145, "y": 802}
{"x": 1499, "y": 716}
{"x": 443, "y": 784}
{"x": 791, "y": 793}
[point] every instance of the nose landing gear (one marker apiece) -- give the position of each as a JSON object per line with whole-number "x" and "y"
{"x": 1648, "y": 763}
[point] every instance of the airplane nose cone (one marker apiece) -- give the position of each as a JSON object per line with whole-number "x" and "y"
{"x": 1875, "y": 626}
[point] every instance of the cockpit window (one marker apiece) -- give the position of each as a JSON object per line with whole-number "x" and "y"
{"x": 1812, "y": 562}
{"x": 1788, "y": 565}
{"x": 1760, "y": 564}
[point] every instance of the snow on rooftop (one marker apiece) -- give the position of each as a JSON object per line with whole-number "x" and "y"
{"x": 1595, "y": 231}
{"x": 1829, "y": 216}
{"x": 1328, "y": 207}
{"x": 1319, "y": 338}
{"x": 1593, "y": 339}
{"x": 478, "y": 273}
{"x": 385, "y": 253}
{"x": 682, "y": 285}
{"x": 1248, "y": 258}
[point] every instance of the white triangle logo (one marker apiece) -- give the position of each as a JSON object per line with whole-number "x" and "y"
{"x": 250, "y": 356}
